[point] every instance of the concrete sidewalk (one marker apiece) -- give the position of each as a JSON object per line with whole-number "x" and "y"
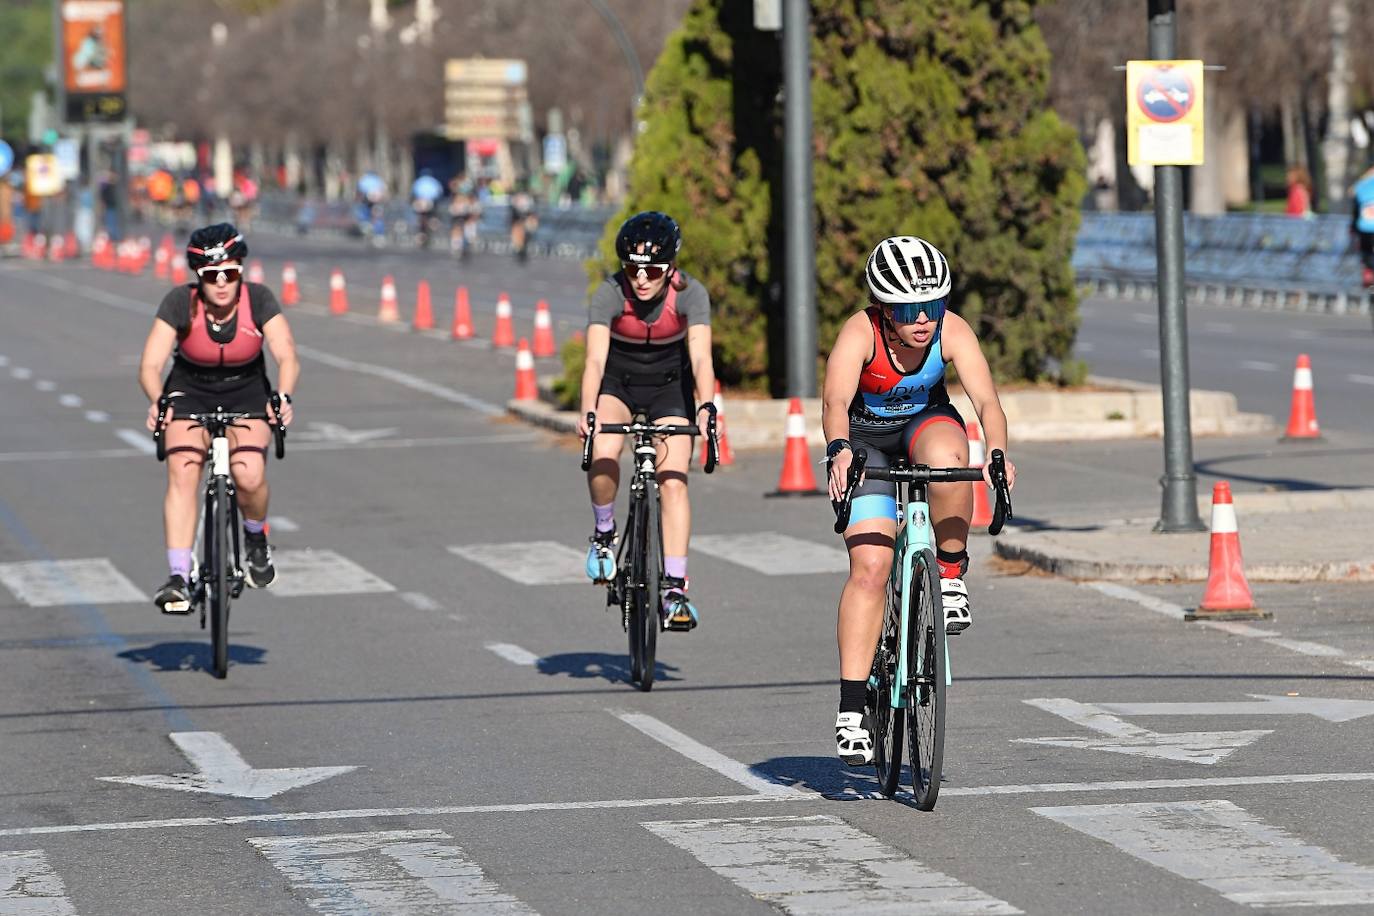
{"x": 1297, "y": 536}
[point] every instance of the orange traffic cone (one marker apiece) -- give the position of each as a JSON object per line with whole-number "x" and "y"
{"x": 797, "y": 477}
{"x": 1227, "y": 593}
{"x": 178, "y": 269}
{"x": 338, "y": 293}
{"x": 725, "y": 456}
{"x": 526, "y": 387}
{"x": 504, "y": 333}
{"x": 543, "y": 331}
{"x": 57, "y": 251}
{"x": 73, "y": 248}
{"x": 1302, "y": 416}
{"x": 424, "y": 312}
{"x": 462, "y": 315}
{"x": 162, "y": 262}
{"x": 40, "y": 247}
{"x": 255, "y": 274}
{"x": 290, "y": 292}
{"x": 388, "y": 311}
{"x": 982, "y": 510}
{"x": 144, "y": 254}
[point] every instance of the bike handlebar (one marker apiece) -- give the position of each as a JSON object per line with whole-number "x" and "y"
{"x": 227, "y": 418}
{"x": 657, "y": 429}
{"x": 923, "y": 474}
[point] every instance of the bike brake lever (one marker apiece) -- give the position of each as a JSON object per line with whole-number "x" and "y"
{"x": 587, "y": 443}
{"x": 856, "y": 471}
{"x": 997, "y": 470}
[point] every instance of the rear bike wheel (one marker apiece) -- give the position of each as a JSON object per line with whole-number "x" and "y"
{"x": 629, "y": 589}
{"x": 219, "y": 581}
{"x": 887, "y": 719}
{"x": 925, "y": 693}
{"x": 647, "y": 575}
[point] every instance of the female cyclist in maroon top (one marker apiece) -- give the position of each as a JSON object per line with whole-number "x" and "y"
{"x": 214, "y": 331}
{"x": 649, "y": 352}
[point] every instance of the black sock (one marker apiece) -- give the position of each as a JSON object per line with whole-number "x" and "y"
{"x": 949, "y": 557}
{"x": 852, "y": 695}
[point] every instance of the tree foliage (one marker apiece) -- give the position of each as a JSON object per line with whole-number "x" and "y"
{"x": 26, "y": 48}
{"x": 930, "y": 119}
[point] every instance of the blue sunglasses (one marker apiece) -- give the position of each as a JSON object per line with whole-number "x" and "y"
{"x": 909, "y": 312}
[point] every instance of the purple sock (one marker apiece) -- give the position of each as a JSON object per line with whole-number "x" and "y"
{"x": 253, "y": 527}
{"x": 605, "y": 516}
{"x": 179, "y": 560}
{"x": 675, "y": 567}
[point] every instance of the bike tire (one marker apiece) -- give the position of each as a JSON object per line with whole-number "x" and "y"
{"x": 219, "y": 584}
{"x": 651, "y": 602}
{"x": 887, "y": 719}
{"x": 925, "y": 695}
{"x": 629, "y": 591}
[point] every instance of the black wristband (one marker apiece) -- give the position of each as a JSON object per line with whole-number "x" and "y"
{"x": 836, "y": 446}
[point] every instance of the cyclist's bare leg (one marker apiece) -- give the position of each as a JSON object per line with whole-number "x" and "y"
{"x": 186, "y": 445}
{"x": 943, "y": 444}
{"x": 248, "y": 444}
{"x": 603, "y": 477}
{"x": 871, "y": 543}
{"x": 674, "y": 455}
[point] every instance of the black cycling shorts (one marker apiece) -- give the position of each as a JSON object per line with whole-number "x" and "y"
{"x": 672, "y": 397}
{"x": 193, "y": 394}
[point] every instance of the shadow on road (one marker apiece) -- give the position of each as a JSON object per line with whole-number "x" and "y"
{"x": 603, "y": 665}
{"x": 190, "y": 656}
{"x": 830, "y": 778}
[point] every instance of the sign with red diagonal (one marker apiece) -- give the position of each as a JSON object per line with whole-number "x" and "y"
{"x": 1164, "y": 112}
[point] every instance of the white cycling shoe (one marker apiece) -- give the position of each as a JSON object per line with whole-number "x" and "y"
{"x": 854, "y": 739}
{"x": 954, "y": 596}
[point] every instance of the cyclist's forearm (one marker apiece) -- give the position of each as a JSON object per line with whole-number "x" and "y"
{"x": 994, "y": 423}
{"x": 150, "y": 380}
{"x": 591, "y": 386}
{"x": 835, "y": 420}
{"x": 288, "y": 373}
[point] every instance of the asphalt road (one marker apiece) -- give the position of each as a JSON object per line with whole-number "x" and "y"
{"x": 500, "y": 761}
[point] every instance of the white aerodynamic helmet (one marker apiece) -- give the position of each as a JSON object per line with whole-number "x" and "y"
{"x": 907, "y": 269}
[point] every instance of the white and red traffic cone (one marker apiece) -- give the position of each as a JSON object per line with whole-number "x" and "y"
{"x": 982, "y": 509}
{"x": 1302, "y": 414}
{"x": 797, "y": 478}
{"x": 338, "y": 293}
{"x": 1227, "y": 593}
{"x": 724, "y": 455}
{"x": 462, "y": 315}
{"x": 526, "y": 386}
{"x": 290, "y": 292}
{"x": 388, "y": 310}
{"x": 503, "y": 335}
{"x": 544, "y": 345}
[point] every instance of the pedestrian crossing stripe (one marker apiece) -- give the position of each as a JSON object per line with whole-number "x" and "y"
{"x": 29, "y": 886}
{"x": 1225, "y": 848}
{"x": 773, "y": 554}
{"x": 528, "y": 562}
{"x": 389, "y": 871}
{"x": 322, "y": 572}
{"x": 52, "y": 583}
{"x": 818, "y": 864}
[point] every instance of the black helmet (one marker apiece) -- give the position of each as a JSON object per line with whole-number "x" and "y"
{"x": 656, "y": 232}
{"x": 214, "y": 245}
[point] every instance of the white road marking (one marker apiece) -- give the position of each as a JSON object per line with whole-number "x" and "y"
{"x": 1225, "y": 848}
{"x": 1258, "y": 365}
{"x": 1330, "y": 709}
{"x": 818, "y": 864}
{"x": 420, "y": 601}
{"x": 699, "y": 753}
{"x": 70, "y": 400}
{"x": 1055, "y": 788}
{"x": 1360, "y": 379}
{"x": 221, "y": 770}
{"x": 773, "y": 554}
{"x": 405, "y": 872}
{"x": 528, "y": 562}
{"x": 29, "y": 886}
{"x": 279, "y": 523}
{"x": 139, "y": 440}
{"x": 1144, "y": 318}
{"x": 323, "y": 572}
{"x": 97, "y": 416}
{"x": 1113, "y": 590}
{"x": 4, "y": 361}
{"x": 513, "y": 653}
{"x": 143, "y": 445}
{"x": 21, "y": 373}
{"x": 52, "y": 583}
{"x": 45, "y": 385}
{"x": 1150, "y": 353}
{"x": 1124, "y": 738}
{"x": 71, "y": 454}
{"x": 413, "y": 382}
{"x": 1306, "y": 648}
{"x": 1219, "y": 327}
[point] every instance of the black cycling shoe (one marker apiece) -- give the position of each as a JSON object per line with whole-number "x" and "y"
{"x": 174, "y": 597}
{"x": 260, "y": 572}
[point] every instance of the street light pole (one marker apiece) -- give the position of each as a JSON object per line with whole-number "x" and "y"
{"x": 1179, "y": 508}
{"x": 800, "y": 273}
{"x": 627, "y": 49}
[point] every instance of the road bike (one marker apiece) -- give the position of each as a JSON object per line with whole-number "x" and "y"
{"x": 220, "y": 577}
{"x": 910, "y": 674}
{"x": 639, "y": 556}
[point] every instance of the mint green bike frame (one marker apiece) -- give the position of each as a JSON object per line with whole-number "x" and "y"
{"x": 914, "y": 534}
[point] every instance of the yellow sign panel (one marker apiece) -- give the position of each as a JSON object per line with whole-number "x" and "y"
{"x": 1164, "y": 108}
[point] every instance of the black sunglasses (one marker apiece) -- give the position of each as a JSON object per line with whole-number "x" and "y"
{"x": 651, "y": 271}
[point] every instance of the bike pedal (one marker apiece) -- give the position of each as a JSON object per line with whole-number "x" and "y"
{"x": 177, "y": 608}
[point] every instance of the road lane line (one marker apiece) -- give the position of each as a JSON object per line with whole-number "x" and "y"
{"x": 138, "y": 440}
{"x": 1305, "y": 648}
{"x": 323, "y": 572}
{"x": 413, "y": 382}
{"x": 29, "y": 886}
{"x": 1149, "y": 602}
{"x": 699, "y": 753}
{"x": 1360, "y": 379}
{"x": 97, "y": 416}
{"x": 420, "y": 601}
{"x": 1258, "y": 365}
{"x": 45, "y": 385}
{"x": 19, "y": 372}
{"x": 528, "y": 562}
{"x": 513, "y": 653}
{"x": 1225, "y": 848}
{"x": 356, "y": 873}
{"x": 818, "y": 864}
{"x": 70, "y": 400}
{"x": 773, "y": 554}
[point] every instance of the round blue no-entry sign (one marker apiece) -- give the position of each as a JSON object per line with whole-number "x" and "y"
{"x": 6, "y": 157}
{"x": 1166, "y": 94}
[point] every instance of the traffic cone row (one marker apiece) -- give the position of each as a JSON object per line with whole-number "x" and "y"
{"x": 424, "y": 311}
{"x": 526, "y": 386}
{"x": 503, "y": 335}
{"x": 462, "y": 315}
{"x": 543, "y": 331}
{"x": 338, "y": 293}
{"x": 290, "y": 292}
{"x": 388, "y": 311}
{"x": 255, "y": 274}
{"x": 178, "y": 268}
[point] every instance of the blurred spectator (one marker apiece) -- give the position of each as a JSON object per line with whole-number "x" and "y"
{"x": 109, "y": 204}
{"x": 1299, "y": 192}
{"x": 1362, "y": 222}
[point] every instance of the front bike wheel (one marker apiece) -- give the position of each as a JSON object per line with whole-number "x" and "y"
{"x": 219, "y": 582}
{"x": 925, "y": 694}
{"x": 887, "y": 719}
{"x": 649, "y": 560}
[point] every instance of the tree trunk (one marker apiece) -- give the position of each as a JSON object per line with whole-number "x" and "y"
{"x": 1235, "y": 158}
{"x": 1336, "y": 147}
{"x": 1207, "y": 197}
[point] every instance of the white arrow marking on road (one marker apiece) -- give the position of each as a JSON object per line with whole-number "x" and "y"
{"x": 333, "y": 432}
{"x": 1329, "y": 709}
{"x": 1125, "y": 738}
{"x": 221, "y": 771}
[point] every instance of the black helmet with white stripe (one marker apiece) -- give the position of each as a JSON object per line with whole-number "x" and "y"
{"x": 907, "y": 269}
{"x": 214, "y": 245}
